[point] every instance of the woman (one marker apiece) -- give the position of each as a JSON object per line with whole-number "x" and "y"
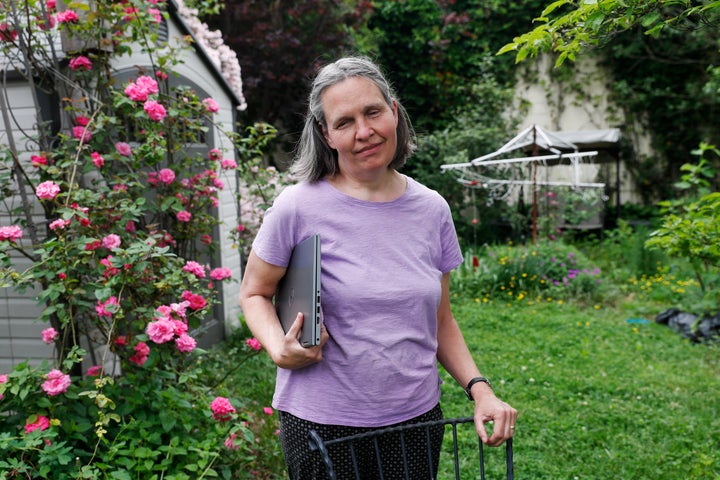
{"x": 388, "y": 246}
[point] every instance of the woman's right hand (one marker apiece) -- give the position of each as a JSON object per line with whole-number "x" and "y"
{"x": 292, "y": 354}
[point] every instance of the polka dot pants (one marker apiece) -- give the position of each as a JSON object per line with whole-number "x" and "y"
{"x": 422, "y": 450}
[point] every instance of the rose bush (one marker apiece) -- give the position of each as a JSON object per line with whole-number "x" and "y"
{"x": 121, "y": 255}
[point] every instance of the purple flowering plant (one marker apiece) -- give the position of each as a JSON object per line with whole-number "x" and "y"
{"x": 119, "y": 253}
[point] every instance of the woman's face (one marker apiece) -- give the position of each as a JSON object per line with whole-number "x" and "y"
{"x": 361, "y": 126}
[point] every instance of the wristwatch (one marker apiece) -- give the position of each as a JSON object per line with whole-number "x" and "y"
{"x": 473, "y": 382}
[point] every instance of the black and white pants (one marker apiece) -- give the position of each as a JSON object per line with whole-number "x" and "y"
{"x": 422, "y": 450}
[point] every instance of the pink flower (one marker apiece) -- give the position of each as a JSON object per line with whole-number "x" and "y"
{"x": 94, "y": 371}
{"x": 111, "y": 241}
{"x": 211, "y": 105}
{"x": 155, "y": 110}
{"x": 214, "y": 154}
{"x": 230, "y": 442}
{"x": 161, "y": 331}
{"x": 49, "y": 335}
{"x": 13, "y": 233}
{"x": 130, "y": 226}
{"x": 80, "y": 63}
{"x": 50, "y": 4}
{"x": 56, "y": 383}
{"x": 155, "y": 13}
{"x": 59, "y": 224}
{"x": 123, "y": 149}
{"x": 206, "y": 239}
{"x": 253, "y": 343}
{"x": 222, "y": 409}
{"x": 38, "y": 160}
{"x": 141, "y": 89}
{"x": 120, "y": 341}
{"x": 101, "y": 307}
{"x": 166, "y": 176}
{"x": 184, "y": 216}
{"x": 142, "y": 351}
{"x": 47, "y": 190}
{"x": 68, "y": 16}
{"x": 185, "y": 343}
{"x": 195, "y": 301}
{"x": 267, "y": 410}
{"x": 42, "y": 422}
{"x": 180, "y": 327}
{"x": 228, "y": 164}
{"x": 7, "y": 33}
{"x": 161, "y": 75}
{"x": 81, "y": 133}
{"x": 82, "y": 120}
{"x": 97, "y": 159}
{"x": 195, "y": 268}
{"x": 3, "y": 379}
{"x": 220, "y": 273}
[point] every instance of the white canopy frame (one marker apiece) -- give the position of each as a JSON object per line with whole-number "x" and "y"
{"x": 500, "y": 177}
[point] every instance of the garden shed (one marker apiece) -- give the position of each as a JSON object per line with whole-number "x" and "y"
{"x": 208, "y": 68}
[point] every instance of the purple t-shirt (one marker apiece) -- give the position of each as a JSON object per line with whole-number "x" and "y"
{"x": 382, "y": 263}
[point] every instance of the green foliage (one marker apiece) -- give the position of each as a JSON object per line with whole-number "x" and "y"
{"x": 120, "y": 255}
{"x": 434, "y": 52}
{"x": 546, "y": 272}
{"x": 691, "y": 230}
{"x": 475, "y": 130}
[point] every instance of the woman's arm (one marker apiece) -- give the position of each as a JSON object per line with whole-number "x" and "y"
{"x": 260, "y": 281}
{"x": 454, "y": 355}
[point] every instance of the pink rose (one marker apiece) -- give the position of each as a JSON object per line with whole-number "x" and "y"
{"x": 56, "y": 383}
{"x": 50, "y": 4}
{"x": 195, "y": 301}
{"x": 222, "y": 409}
{"x": 267, "y": 410}
{"x": 47, "y": 190}
{"x": 80, "y": 63}
{"x": 161, "y": 331}
{"x": 148, "y": 84}
{"x": 166, "y": 176}
{"x": 142, "y": 351}
{"x": 3, "y": 379}
{"x": 111, "y": 241}
{"x": 38, "y": 160}
{"x": 49, "y": 335}
{"x": 220, "y": 273}
{"x": 214, "y": 154}
{"x": 230, "y": 442}
{"x": 97, "y": 159}
{"x": 42, "y": 422}
{"x": 94, "y": 371}
{"x": 195, "y": 268}
{"x": 68, "y": 16}
{"x": 228, "y": 164}
{"x": 185, "y": 343}
{"x": 180, "y": 327}
{"x": 211, "y": 105}
{"x": 155, "y": 13}
{"x": 184, "y": 216}
{"x": 59, "y": 224}
{"x": 13, "y": 233}
{"x": 82, "y": 133}
{"x": 123, "y": 149}
{"x": 139, "y": 90}
{"x": 101, "y": 307}
{"x": 253, "y": 343}
{"x": 155, "y": 110}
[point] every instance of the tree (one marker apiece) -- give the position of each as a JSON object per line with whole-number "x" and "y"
{"x": 280, "y": 45}
{"x": 663, "y": 57}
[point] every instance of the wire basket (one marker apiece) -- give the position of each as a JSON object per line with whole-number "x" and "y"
{"x": 392, "y": 444}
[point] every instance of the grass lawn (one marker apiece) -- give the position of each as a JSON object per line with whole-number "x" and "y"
{"x": 599, "y": 397}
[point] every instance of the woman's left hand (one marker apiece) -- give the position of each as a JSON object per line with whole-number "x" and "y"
{"x": 489, "y": 408}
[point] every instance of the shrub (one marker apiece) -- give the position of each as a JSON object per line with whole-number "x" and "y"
{"x": 548, "y": 270}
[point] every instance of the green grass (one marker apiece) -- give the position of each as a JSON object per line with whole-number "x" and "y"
{"x": 598, "y": 397}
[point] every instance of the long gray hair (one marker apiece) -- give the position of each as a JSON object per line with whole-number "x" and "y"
{"x": 314, "y": 159}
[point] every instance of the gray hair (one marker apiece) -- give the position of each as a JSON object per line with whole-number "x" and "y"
{"x": 314, "y": 159}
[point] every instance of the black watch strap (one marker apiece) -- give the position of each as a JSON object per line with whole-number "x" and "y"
{"x": 473, "y": 382}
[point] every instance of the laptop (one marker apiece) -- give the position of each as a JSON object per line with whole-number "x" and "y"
{"x": 299, "y": 291}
